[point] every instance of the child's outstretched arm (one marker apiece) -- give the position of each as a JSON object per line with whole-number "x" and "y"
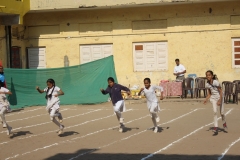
{"x": 221, "y": 96}
{"x": 39, "y": 90}
{"x": 125, "y": 89}
{"x": 161, "y": 96}
{"x": 139, "y": 93}
{"x": 104, "y": 91}
{"x": 161, "y": 91}
{"x": 9, "y": 92}
{"x": 60, "y": 93}
{"x": 208, "y": 96}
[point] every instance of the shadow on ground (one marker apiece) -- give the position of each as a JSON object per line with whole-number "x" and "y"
{"x": 20, "y": 133}
{"x": 219, "y": 130}
{"x": 16, "y": 110}
{"x": 68, "y": 133}
{"x": 126, "y": 129}
{"x": 88, "y": 154}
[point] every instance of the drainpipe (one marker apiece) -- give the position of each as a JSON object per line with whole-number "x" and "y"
{"x": 8, "y": 45}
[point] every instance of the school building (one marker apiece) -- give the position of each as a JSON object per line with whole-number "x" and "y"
{"x": 144, "y": 36}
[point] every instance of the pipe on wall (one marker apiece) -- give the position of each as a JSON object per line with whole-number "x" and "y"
{"x": 8, "y": 45}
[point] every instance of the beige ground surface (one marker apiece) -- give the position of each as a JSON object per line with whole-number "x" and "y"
{"x": 91, "y": 133}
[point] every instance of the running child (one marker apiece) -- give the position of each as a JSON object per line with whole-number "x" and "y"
{"x": 4, "y": 107}
{"x": 53, "y": 103}
{"x": 114, "y": 90}
{"x": 152, "y": 100}
{"x": 215, "y": 94}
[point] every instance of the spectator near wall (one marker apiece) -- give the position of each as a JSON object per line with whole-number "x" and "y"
{"x": 179, "y": 71}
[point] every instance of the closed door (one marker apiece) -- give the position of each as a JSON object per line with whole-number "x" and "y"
{"x": 15, "y": 58}
{"x": 36, "y": 58}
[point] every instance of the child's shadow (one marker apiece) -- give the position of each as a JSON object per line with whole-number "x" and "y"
{"x": 20, "y": 133}
{"x": 126, "y": 129}
{"x": 69, "y": 133}
{"x": 16, "y": 110}
{"x": 219, "y": 130}
{"x": 160, "y": 129}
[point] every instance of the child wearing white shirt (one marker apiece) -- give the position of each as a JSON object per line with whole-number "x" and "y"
{"x": 4, "y": 106}
{"x": 53, "y": 102}
{"x": 215, "y": 94}
{"x": 152, "y": 101}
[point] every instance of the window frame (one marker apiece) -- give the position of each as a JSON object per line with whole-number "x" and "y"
{"x": 233, "y": 53}
{"x": 135, "y": 69}
{"x": 91, "y": 52}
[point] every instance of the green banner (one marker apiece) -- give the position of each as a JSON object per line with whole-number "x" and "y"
{"x": 81, "y": 84}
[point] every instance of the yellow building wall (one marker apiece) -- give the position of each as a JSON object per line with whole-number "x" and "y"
{"x": 3, "y": 55}
{"x": 20, "y": 7}
{"x": 199, "y": 36}
{"x": 86, "y": 4}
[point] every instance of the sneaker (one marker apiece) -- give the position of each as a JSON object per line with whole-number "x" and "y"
{"x": 155, "y": 130}
{"x": 4, "y": 125}
{"x": 157, "y": 119}
{"x": 121, "y": 128}
{"x": 215, "y": 130}
{"x": 9, "y": 131}
{"x": 121, "y": 120}
{"x": 60, "y": 118}
{"x": 61, "y": 130}
{"x": 225, "y": 126}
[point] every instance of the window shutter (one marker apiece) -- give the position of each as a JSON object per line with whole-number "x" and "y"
{"x": 85, "y": 54}
{"x": 107, "y": 50}
{"x": 150, "y": 56}
{"x": 138, "y": 50}
{"x": 89, "y": 53}
{"x": 236, "y": 53}
{"x": 96, "y": 52}
{"x": 162, "y": 56}
{"x": 36, "y": 58}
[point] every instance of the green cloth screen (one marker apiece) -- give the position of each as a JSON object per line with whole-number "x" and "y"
{"x": 81, "y": 84}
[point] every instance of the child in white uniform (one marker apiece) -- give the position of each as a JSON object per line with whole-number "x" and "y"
{"x": 53, "y": 102}
{"x": 215, "y": 94}
{"x": 4, "y": 107}
{"x": 152, "y": 101}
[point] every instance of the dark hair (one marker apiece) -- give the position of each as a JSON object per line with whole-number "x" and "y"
{"x": 214, "y": 75}
{"x": 1, "y": 84}
{"x": 177, "y": 60}
{"x": 111, "y": 79}
{"x": 147, "y": 79}
{"x": 53, "y": 83}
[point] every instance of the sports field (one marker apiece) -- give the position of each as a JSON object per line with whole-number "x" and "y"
{"x": 91, "y": 132}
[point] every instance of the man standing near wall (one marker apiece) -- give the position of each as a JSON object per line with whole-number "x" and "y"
{"x": 179, "y": 71}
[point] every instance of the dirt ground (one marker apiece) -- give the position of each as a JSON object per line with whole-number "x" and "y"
{"x": 91, "y": 132}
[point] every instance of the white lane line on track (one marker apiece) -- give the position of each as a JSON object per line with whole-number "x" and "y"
{"x": 32, "y": 116}
{"x": 35, "y": 135}
{"x": 171, "y": 144}
{"x": 227, "y": 149}
{"x": 12, "y": 113}
{"x": 17, "y": 155}
{"x": 132, "y": 135}
{"x": 51, "y": 122}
